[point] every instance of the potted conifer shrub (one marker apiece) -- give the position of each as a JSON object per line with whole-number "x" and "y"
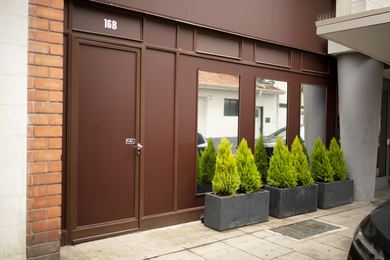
{"x": 336, "y": 190}
{"x": 206, "y": 168}
{"x": 261, "y": 158}
{"x": 224, "y": 208}
{"x": 287, "y": 171}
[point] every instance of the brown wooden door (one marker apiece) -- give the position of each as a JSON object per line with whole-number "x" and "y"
{"x": 104, "y": 180}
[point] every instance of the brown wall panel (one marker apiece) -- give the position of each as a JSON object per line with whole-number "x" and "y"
{"x": 186, "y": 38}
{"x": 315, "y": 63}
{"x": 247, "y": 50}
{"x": 160, "y": 33}
{"x": 159, "y": 89}
{"x": 273, "y": 55}
{"x": 289, "y": 22}
{"x": 293, "y": 109}
{"x": 217, "y": 44}
{"x": 92, "y": 19}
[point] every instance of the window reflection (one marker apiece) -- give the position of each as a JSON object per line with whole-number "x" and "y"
{"x": 271, "y": 111}
{"x": 218, "y": 111}
{"x": 313, "y": 114}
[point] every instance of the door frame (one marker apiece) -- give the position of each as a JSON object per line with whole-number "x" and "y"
{"x": 96, "y": 231}
{"x": 384, "y": 181}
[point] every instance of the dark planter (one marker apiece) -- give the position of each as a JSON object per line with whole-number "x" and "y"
{"x": 222, "y": 213}
{"x": 290, "y": 202}
{"x": 203, "y": 188}
{"x": 334, "y": 194}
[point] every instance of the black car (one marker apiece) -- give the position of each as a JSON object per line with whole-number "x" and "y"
{"x": 372, "y": 237}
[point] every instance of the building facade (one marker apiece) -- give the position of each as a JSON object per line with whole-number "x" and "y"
{"x": 102, "y": 105}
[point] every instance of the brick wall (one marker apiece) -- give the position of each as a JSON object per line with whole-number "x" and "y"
{"x": 45, "y": 95}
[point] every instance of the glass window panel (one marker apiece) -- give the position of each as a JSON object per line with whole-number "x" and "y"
{"x": 218, "y": 110}
{"x": 313, "y": 114}
{"x": 271, "y": 111}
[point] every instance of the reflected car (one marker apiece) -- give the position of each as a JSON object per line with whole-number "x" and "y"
{"x": 371, "y": 239}
{"x": 270, "y": 140}
{"x": 201, "y": 143}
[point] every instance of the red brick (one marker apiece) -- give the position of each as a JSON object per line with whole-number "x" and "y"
{"x": 40, "y": 2}
{"x": 46, "y": 107}
{"x": 47, "y": 131}
{"x": 57, "y": 4}
{"x": 47, "y": 178}
{"x": 38, "y": 119}
{"x": 36, "y": 191}
{"x": 46, "y": 225}
{"x": 38, "y": 47}
{"x": 56, "y": 49}
{"x": 45, "y": 12}
{"x": 56, "y": 26}
{"x": 54, "y": 189}
{"x": 29, "y": 228}
{"x": 37, "y": 167}
{"x": 45, "y": 36}
{"x": 56, "y": 96}
{"x": 46, "y": 155}
{"x": 38, "y": 95}
{"x": 54, "y": 235}
{"x": 31, "y": 58}
{"x": 46, "y": 201}
{"x": 34, "y": 215}
{"x": 38, "y": 23}
{"x": 49, "y": 84}
{"x": 31, "y": 82}
{"x": 37, "y": 143}
{"x": 54, "y": 166}
{"x": 55, "y": 73}
{"x": 48, "y": 60}
{"x": 36, "y": 238}
{"x": 30, "y": 203}
{"x": 54, "y": 212}
{"x": 55, "y": 143}
{"x": 55, "y": 119}
{"x": 38, "y": 71}
{"x": 30, "y": 131}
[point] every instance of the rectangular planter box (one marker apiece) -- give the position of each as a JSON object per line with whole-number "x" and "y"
{"x": 222, "y": 213}
{"x": 334, "y": 194}
{"x": 293, "y": 201}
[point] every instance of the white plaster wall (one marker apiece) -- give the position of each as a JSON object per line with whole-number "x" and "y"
{"x": 13, "y": 128}
{"x": 213, "y": 122}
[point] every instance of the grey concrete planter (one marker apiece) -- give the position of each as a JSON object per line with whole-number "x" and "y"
{"x": 334, "y": 194}
{"x": 290, "y": 202}
{"x": 222, "y": 213}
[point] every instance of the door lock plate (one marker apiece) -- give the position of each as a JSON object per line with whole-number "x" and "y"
{"x": 130, "y": 140}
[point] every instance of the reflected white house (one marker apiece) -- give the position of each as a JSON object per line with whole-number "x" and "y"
{"x": 218, "y": 106}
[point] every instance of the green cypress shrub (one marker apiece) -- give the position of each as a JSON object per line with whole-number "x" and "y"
{"x": 320, "y": 165}
{"x": 337, "y": 161}
{"x": 300, "y": 163}
{"x": 207, "y": 163}
{"x": 304, "y": 149}
{"x": 226, "y": 179}
{"x": 281, "y": 172}
{"x": 261, "y": 158}
{"x": 246, "y": 167}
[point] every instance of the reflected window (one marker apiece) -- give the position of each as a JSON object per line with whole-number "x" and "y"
{"x": 313, "y": 114}
{"x": 231, "y": 107}
{"x": 218, "y": 111}
{"x": 271, "y": 111}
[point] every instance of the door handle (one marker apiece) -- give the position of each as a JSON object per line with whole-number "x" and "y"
{"x": 138, "y": 147}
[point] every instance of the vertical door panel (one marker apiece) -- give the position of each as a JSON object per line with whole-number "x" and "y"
{"x": 103, "y": 115}
{"x": 159, "y": 132}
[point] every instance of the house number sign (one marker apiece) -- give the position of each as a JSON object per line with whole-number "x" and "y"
{"x": 110, "y": 24}
{"x": 106, "y": 22}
